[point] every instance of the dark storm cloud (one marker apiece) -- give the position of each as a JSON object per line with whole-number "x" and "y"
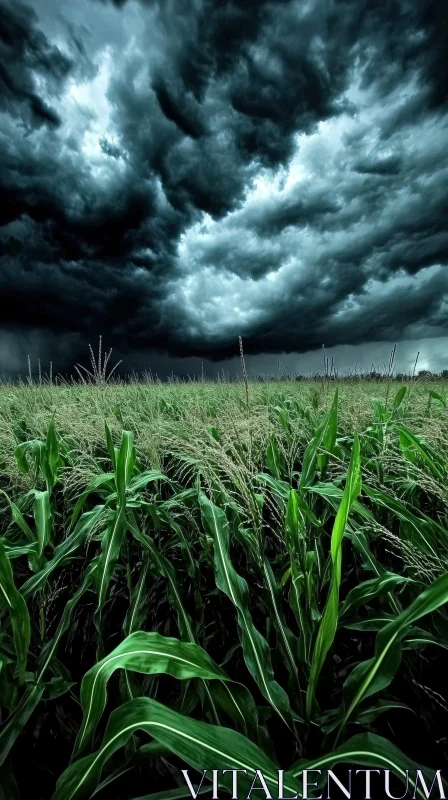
{"x": 179, "y": 108}
{"x": 386, "y": 166}
{"x": 111, "y": 149}
{"x": 180, "y": 173}
{"x": 25, "y": 53}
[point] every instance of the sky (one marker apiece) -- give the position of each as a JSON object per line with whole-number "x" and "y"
{"x": 177, "y": 174}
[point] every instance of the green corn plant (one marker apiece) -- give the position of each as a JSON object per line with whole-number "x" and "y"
{"x": 328, "y": 624}
{"x": 255, "y": 648}
{"x": 46, "y": 457}
{"x": 376, "y": 674}
{"x": 12, "y": 601}
{"x": 206, "y": 581}
{"x": 325, "y": 436}
{"x": 415, "y": 450}
{"x": 197, "y": 742}
{"x": 148, "y": 653}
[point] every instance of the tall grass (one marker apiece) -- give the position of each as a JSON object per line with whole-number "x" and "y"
{"x": 192, "y": 579}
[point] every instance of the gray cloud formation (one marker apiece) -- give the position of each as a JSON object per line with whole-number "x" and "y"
{"x": 177, "y": 174}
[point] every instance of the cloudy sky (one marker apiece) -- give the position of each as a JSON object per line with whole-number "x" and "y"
{"x": 180, "y": 173}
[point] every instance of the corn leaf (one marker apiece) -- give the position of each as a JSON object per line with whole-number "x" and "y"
{"x": 124, "y": 464}
{"x": 255, "y": 648}
{"x": 325, "y": 432}
{"x": 375, "y": 674}
{"x": 196, "y": 743}
{"x": 12, "y": 600}
{"x": 42, "y": 518}
{"x": 88, "y": 522}
{"x": 374, "y": 751}
{"x": 147, "y": 653}
{"x": 110, "y": 550}
{"x": 411, "y": 446}
{"x": 15, "y": 723}
{"x": 328, "y": 624}
{"x": 49, "y": 650}
{"x": 370, "y": 589}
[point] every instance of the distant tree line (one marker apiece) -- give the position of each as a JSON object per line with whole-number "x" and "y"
{"x": 378, "y": 377}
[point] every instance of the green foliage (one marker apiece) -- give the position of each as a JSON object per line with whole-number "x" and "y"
{"x": 225, "y": 579}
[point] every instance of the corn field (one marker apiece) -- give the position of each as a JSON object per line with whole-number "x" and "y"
{"x": 220, "y": 576}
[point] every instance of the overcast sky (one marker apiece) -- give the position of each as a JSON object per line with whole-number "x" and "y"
{"x": 180, "y": 173}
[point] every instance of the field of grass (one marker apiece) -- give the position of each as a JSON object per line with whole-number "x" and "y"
{"x": 192, "y": 575}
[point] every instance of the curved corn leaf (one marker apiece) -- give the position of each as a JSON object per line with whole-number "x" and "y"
{"x": 325, "y": 432}
{"x": 361, "y": 545}
{"x": 141, "y": 480}
{"x": 190, "y": 563}
{"x": 285, "y": 636}
{"x": 235, "y": 699}
{"x": 412, "y": 446}
{"x": 147, "y": 653}
{"x": 19, "y": 519}
{"x": 399, "y": 397}
{"x": 35, "y": 448}
{"x": 279, "y": 489}
{"x": 15, "y": 723}
{"x": 368, "y": 590}
{"x": 49, "y": 650}
{"x": 333, "y": 494}
{"x": 237, "y": 702}
{"x": 274, "y": 459}
{"x": 164, "y": 568}
{"x": 21, "y": 550}
{"x": 113, "y": 776}
{"x": 370, "y": 714}
{"x": 417, "y": 637}
{"x": 375, "y": 674}
{"x": 301, "y": 571}
{"x": 84, "y": 528}
{"x": 329, "y": 621}
{"x": 330, "y": 720}
{"x": 12, "y": 600}
{"x": 152, "y": 749}
{"x": 404, "y": 514}
{"x": 297, "y": 511}
{"x": 373, "y": 623}
{"x": 298, "y": 602}
{"x": 293, "y": 526}
{"x": 134, "y": 612}
{"x": 96, "y": 483}
{"x": 110, "y": 550}
{"x": 255, "y": 648}
{"x": 179, "y": 499}
{"x": 433, "y": 395}
{"x": 196, "y": 743}
{"x": 371, "y": 750}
